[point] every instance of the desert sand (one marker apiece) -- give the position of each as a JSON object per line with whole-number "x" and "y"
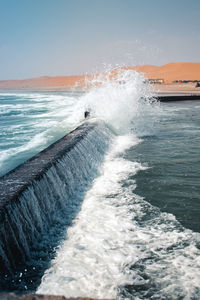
{"x": 169, "y": 73}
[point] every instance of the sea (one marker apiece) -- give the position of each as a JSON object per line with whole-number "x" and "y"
{"x": 137, "y": 234}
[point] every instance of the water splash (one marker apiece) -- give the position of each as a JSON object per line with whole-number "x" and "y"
{"x": 32, "y": 121}
{"x": 122, "y": 98}
{"x": 120, "y": 246}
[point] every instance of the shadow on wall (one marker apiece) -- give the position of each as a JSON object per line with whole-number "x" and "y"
{"x": 40, "y": 199}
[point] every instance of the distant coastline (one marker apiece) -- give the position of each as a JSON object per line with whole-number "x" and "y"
{"x": 173, "y": 77}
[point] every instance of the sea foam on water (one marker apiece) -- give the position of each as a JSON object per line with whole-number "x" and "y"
{"x": 120, "y": 246}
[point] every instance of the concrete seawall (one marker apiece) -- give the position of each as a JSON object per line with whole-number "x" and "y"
{"x": 14, "y": 183}
{"x": 39, "y": 200}
{"x": 19, "y": 194}
{"x": 177, "y": 97}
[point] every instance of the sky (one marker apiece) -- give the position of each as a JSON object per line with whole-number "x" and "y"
{"x": 72, "y": 37}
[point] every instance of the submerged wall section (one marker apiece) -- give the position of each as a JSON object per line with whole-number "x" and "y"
{"x": 40, "y": 198}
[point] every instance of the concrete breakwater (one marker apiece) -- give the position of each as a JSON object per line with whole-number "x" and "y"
{"x": 39, "y": 200}
{"x": 10, "y": 296}
{"x": 177, "y": 97}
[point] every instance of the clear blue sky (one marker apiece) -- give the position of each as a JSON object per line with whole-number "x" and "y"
{"x": 67, "y": 37}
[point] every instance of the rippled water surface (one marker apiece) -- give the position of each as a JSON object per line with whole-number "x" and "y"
{"x": 29, "y": 122}
{"x": 136, "y": 234}
{"x": 172, "y": 180}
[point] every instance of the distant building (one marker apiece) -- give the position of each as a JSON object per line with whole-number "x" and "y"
{"x": 185, "y": 81}
{"x": 156, "y": 80}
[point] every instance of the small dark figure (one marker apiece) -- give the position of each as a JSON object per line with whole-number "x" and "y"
{"x": 86, "y": 114}
{"x": 198, "y": 84}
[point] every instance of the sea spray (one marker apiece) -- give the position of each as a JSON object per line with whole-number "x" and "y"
{"x": 122, "y": 99}
{"x": 120, "y": 246}
{"x": 121, "y": 102}
{"x": 31, "y": 121}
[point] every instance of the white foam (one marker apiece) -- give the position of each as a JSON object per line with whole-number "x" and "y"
{"x": 33, "y": 121}
{"x": 109, "y": 235}
{"x": 108, "y": 238}
{"x": 119, "y": 101}
{"x": 46, "y": 117}
{"x": 89, "y": 261}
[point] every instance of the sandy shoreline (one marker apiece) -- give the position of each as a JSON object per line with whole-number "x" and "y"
{"x": 160, "y": 89}
{"x": 167, "y": 74}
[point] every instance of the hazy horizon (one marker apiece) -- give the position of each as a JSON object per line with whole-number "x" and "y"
{"x": 65, "y": 37}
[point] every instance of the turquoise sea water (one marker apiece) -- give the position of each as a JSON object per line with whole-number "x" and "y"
{"x": 172, "y": 181}
{"x": 29, "y": 122}
{"x": 146, "y": 197}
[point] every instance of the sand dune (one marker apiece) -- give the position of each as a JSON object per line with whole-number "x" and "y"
{"x": 171, "y": 71}
{"x": 46, "y": 81}
{"x": 168, "y": 72}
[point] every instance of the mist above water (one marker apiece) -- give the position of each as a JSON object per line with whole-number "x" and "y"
{"x": 121, "y": 98}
